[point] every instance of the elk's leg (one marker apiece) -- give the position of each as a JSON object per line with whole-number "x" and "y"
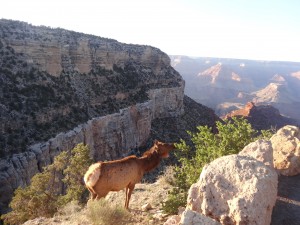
{"x": 92, "y": 193}
{"x": 128, "y": 195}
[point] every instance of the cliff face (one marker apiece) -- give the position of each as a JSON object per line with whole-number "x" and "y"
{"x": 52, "y": 80}
{"x": 58, "y": 50}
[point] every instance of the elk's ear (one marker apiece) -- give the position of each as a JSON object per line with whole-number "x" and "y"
{"x": 156, "y": 142}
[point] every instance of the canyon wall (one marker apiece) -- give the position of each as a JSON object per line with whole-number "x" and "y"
{"x": 109, "y": 137}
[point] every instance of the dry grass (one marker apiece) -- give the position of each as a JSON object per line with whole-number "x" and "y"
{"x": 104, "y": 213}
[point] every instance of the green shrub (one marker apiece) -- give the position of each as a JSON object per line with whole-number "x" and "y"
{"x": 73, "y": 175}
{"x": 101, "y": 212}
{"x": 39, "y": 198}
{"x": 232, "y": 136}
{"x": 45, "y": 195}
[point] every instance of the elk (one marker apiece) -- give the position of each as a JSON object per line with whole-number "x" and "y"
{"x": 103, "y": 177}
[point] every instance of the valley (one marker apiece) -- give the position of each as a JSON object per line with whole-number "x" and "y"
{"x": 228, "y": 84}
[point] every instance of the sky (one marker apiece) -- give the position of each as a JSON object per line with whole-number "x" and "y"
{"x": 245, "y": 29}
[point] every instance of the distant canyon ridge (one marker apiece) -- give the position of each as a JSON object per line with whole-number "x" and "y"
{"x": 229, "y": 84}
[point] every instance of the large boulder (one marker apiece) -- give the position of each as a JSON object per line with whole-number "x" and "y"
{"x": 286, "y": 150}
{"x": 261, "y": 150}
{"x": 235, "y": 189}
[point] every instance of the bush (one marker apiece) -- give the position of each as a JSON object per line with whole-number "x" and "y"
{"x": 38, "y": 199}
{"x": 101, "y": 212}
{"x": 47, "y": 193}
{"x": 168, "y": 175}
{"x": 233, "y": 135}
{"x": 73, "y": 175}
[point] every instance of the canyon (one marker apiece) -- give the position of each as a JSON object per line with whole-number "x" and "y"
{"x": 229, "y": 84}
{"x": 59, "y": 88}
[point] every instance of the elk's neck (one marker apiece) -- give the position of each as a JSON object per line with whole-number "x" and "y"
{"x": 150, "y": 162}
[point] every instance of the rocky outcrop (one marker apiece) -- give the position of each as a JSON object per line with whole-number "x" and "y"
{"x": 235, "y": 190}
{"x": 286, "y": 145}
{"x": 262, "y": 117}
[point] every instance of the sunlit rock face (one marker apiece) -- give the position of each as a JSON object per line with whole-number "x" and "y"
{"x": 286, "y": 145}
{"x": 235, "y": 189}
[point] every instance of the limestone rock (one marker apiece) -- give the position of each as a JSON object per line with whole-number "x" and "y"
{"x": 159, "y": 215}
{"x": 261, "y": 150}
{"x": 173, "y": 220}
{"x": 146, "y": 207}
{"x": 190, "y": 217}
{"x": 235, "y": 189}
{"x": 286, "y": 145}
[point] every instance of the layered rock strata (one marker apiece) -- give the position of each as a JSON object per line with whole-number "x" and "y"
{"x": 52, "y": 80}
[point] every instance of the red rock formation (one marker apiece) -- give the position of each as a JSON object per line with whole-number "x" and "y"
{"x": 262, "y": 117}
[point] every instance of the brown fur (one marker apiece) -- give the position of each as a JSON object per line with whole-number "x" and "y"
{"x": 103, "y": 177}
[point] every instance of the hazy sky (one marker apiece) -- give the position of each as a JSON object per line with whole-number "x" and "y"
{"x": 251, "y": 29}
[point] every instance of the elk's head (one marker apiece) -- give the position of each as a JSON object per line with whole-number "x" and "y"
{"x": 163, "y": 148}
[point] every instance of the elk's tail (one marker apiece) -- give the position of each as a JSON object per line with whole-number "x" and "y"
{"x": 92, "y": 175}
